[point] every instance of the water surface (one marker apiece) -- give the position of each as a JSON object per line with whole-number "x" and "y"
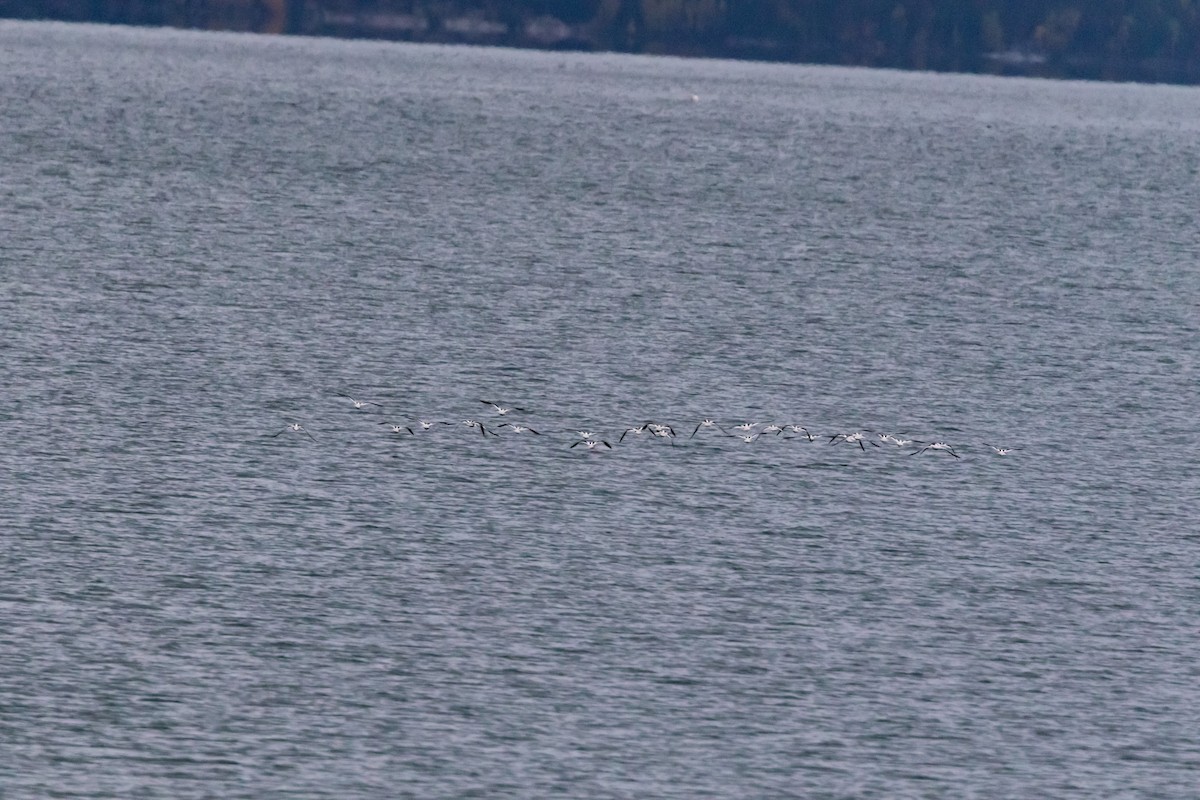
{"x": 208, "y": 237}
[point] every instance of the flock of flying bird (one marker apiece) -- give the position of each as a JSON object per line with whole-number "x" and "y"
{"x": 747, "y": 432}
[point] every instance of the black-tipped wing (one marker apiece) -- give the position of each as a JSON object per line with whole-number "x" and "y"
{"x": 501, "y": 405}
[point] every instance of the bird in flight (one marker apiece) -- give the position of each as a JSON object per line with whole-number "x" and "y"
{"x": 800, "y": 429}
{"x": 937, "y": 446}
{"x": 360, "y": 404}
{"x": 899, "y": 441}
{"x": 662, "y": 431}
{"x": 295, "y": 427}
{"x": 592, "y": 444}
{"x": 470, "y": 423}
{"x": 518, "y": 428}
{"x": 638, "y": 431}
{"x": 501, "y": 410}
{"x": 858, "y": 437}
{"x": 708, "y": 423}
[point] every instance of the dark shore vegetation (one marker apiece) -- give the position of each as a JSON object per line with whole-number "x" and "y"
{"x": 1135, "y": 40}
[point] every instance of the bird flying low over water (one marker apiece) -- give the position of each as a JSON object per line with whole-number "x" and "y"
{"x": 800, "y": 429}
{"x": 398, "y": 428}
{"x": 502, "y": 410}
{"x": 1001, "y": 451}
{"x": 899, "y": 441}
{"x": 858, "y": 437}
{"x": 359, "y": 403}
{"x": 707, "y": 423}
{"x": 518, "y": 428}
{"x": 295, "y": 427}
{"x": 638, "y": 431}
{"x": 592, "y": 444}
{"x": 937, "y": 446}
{"x": 470, "y": 423}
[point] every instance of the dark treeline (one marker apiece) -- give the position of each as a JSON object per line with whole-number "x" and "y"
{"x": 1145, "y": 40}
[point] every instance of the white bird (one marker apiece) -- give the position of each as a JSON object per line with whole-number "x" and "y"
{"x": 518, "y": 428}
{"x": 747, "y": 439}
{"x": 708, "y": 423}
{"x": 858, "y": 437}
{"x": 592, "y": 444}
{"x": 501, "y": 410}
{"x": 937, "y": 446}
{"x": 295, "y": 427}
{"x": 747, "y": 427}
{"x": 470, "y": 423}
{"x": 398, "y": 428}
{"x": 897, "y": 440}
{"x": 1001, "y": 451}
{"x": 802, "y": 430}
{"x": 772, "y": 428}
{"x": 638, "y": 431}
{"x": 359, "y": 403}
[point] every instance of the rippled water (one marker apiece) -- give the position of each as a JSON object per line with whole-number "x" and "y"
{"x": 209, "y": 237}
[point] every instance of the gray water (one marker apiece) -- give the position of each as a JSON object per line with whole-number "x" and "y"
{"x": 206, "y": 238}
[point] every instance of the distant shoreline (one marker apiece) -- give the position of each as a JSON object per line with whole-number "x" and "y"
{"x": 1007, "y": 39}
